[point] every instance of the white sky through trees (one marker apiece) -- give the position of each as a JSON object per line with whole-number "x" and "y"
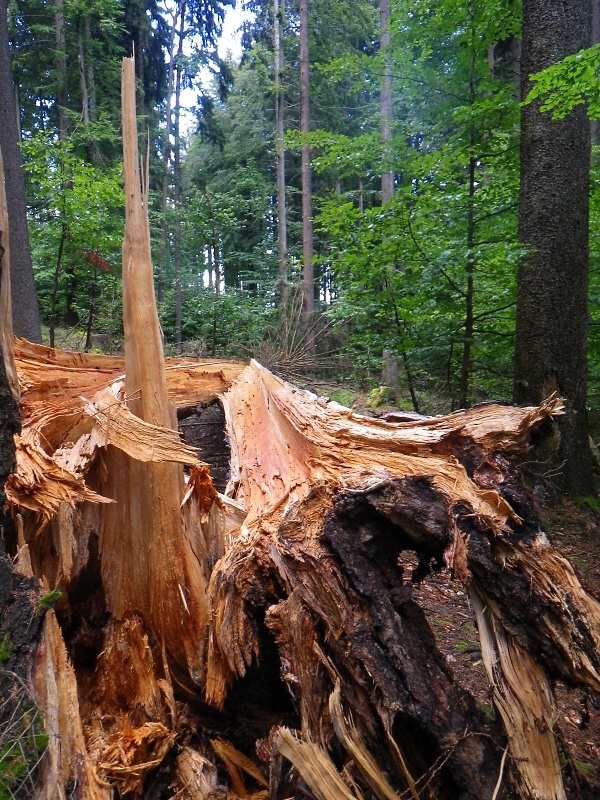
{"x": 229, "y": 46}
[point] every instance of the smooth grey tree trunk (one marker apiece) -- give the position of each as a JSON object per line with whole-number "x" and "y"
{"x": 26, "y": 316}
{"x": 552, "y": 278}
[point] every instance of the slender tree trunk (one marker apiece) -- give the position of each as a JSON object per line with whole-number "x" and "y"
{"x": 177, "y": 187}
{"x": 85, "y": 102}
{"x": 87, "y": 84}
{"x": 385, "y": 102}
{"x": 387, "y": 175}
{"x": 91, "y": 75}
{"x": 214, "y": 244}
{"x": 61, "y": 69}
{"x": 57, "y": 271}
{"x": 210, "y": 265}
{"x": 166, "y": 151}
{"x": 140, "y": 95}
{"x": 307, "y": 230}
{"x": 278, "y": 22}
{"x": 9, "y": 382}
{"x": 552, "y": 316}
{"x": 465, "y": 367}
{"x": 26, "y": 315}
{"x": 90, "y": 320}
{"x": 216, "y": 256}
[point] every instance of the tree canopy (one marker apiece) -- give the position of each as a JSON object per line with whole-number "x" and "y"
{"x": 428, "y": 277}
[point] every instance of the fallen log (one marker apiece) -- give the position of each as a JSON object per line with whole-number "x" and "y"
{"x": 265, "y": 642}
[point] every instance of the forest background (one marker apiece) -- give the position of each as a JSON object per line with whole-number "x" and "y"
{"x": 371, "y": 172}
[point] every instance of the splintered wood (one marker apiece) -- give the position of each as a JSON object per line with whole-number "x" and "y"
{"x": 265, "y": 643}
{"x": 330, "y": 499}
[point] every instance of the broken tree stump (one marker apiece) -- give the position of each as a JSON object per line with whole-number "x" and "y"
{"x": 305, "y": 594}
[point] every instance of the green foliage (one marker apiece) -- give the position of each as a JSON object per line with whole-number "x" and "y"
{"x": 569, "y": 83}
{"x": 76, "y": 231}
{"x": 342, "y": 396}
{"x": 487, "y": 711}
{"x": 402, "y": 271}
{"x": 462, "y": 646}
{"x": 6, "y": 648}
{"x": 49, "y": 599}
{"x": 230, "y": 324}
{"x": 22, "y": 743}
{"x": 590, "y": 502}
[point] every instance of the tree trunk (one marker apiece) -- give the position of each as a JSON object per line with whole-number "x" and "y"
{"x": 91, "y": 74}
{"x": 21, "y": 723}
{"x": 85, "y": 101}
{"x": 307, "y": 228}
{"x": 9, "y": 383}
{"x": 308, "y": 594}
{"x": 26, "y": 315}
{"x": 177, "y": 189}
{"x": 385, "y": 102}
{"x": 61, "y": 69}
{"x": 88, "y": 92}
{"x": 166, "y": 157}
{"x": 466, "y": 366}
{"x": 552, "y": 316}
{"x": 278, "y": 24}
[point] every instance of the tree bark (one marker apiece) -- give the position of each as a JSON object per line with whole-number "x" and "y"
{"x": 177, "y": 187}
{"x": 552, "y": 316}
{"x": 307, "y": 225}
{"x": 61, "y": 69}
{"x": 26, "y": 316}
{"x": 385, "y": 102}
{"x": 595, "y": 124}
{"x": 278, "y": 24}
{"x": 166, "y": 155}
{"x": 20, "y": 617}
{"x": 9, "y": 385}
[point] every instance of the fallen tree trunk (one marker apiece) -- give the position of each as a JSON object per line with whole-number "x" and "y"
{"x": 202, "y": 644}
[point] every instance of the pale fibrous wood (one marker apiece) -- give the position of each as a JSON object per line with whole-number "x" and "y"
{"x": 211, "y": 642}
{"x": 293, "y": 455}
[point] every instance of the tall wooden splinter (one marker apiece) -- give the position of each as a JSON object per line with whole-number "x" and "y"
{"x": 152, "y": 545}
{"x": 149, "y": 567}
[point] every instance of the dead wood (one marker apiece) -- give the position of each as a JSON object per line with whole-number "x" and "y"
{"x": 310, "y": 591}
